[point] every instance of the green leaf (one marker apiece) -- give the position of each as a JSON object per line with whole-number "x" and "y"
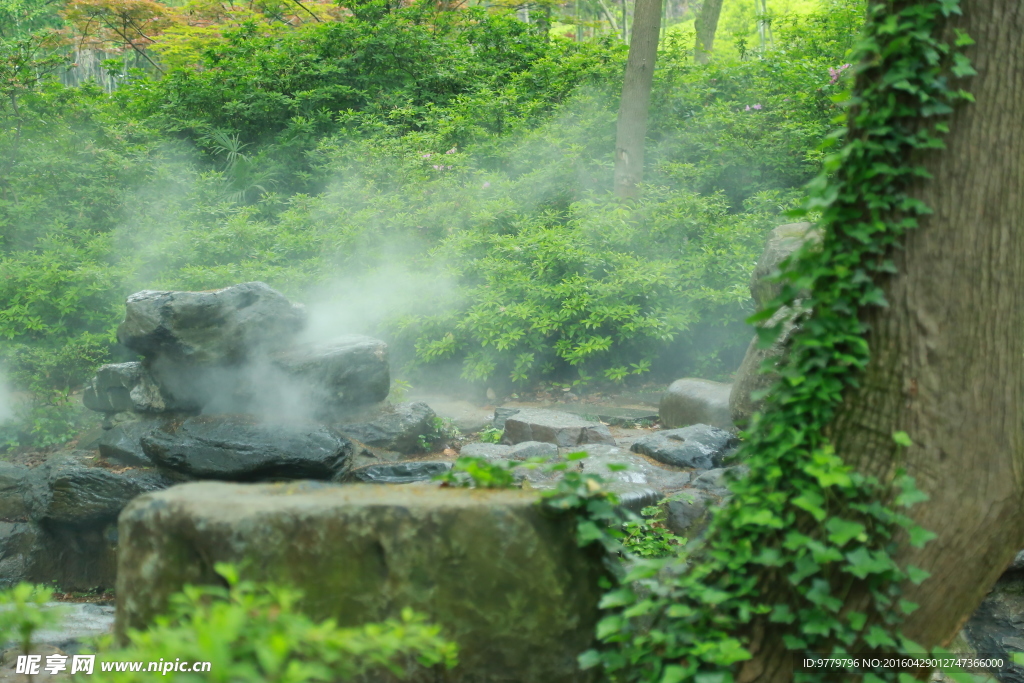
{"x": 841, "y": 531}
{"x": 902, "y": 439}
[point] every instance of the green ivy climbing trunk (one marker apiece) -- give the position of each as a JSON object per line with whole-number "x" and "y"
{"x": 706, "y": 25}
{"x": 636, "y": 97}
{"x": 947, "y": 353}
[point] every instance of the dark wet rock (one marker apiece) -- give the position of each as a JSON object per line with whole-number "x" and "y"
{"x": 502, "y": 414}
{"x": 20, "y": 544}
{"x": 488, "y": 567}
{"x": 687, "y": 513}
{"x": 561, "y": 429}
{"x": 1018, "y": 562}
{"x": 399, "y": 472}
{"x": 699, "y": 446}
{"x": 81, "y": 495}
{"x": 996, "y": 629}
{"x": 122, "y": 387}
{"x": 215, "y": 327}
{"x": 396, "y": 428}
{"x": 242, "y": 448}
{"x": 343, "y": 373}
{"x": 532, "y": 449}
{"x": 122, "y": 443}
{"x": 693, "y": 401}
{"x": 491, "y": 451}
{"x": 14, "y": 485}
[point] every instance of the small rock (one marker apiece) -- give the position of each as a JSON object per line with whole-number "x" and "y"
{"x": 120, "y": 387}
{"x": 699, "y": 446}
{"x": 491, "y": 451}
{"x": 532, "y": 449}
{"x": 239, "y": 448}
{"x": 562, "y": 429}
{"x": 502, "y": 414}
{"x": 693, "y": 401}
{"x": 395, "y": 429}
{"x": 638, "y": 471}
{"x": 716, "y": 481}
{"x": 687, "y": 513}
{"x": 400, "y": 472}
{"x": 79, "y": 621}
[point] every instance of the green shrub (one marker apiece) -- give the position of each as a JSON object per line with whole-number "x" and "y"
{"x": 255, "y": 632}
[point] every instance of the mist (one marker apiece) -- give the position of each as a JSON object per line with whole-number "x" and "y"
{"x": 6, "y": 400}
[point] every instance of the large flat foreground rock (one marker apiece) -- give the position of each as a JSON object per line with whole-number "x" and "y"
{"x": 503, "y": 577}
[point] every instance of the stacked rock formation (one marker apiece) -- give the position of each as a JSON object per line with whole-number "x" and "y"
{"x": 225, "y": 391}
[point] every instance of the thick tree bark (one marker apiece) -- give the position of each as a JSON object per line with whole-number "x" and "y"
{"x": 706, "y": 25}
{"x": 636, "y": 98}
{"x": 948, "y": 352}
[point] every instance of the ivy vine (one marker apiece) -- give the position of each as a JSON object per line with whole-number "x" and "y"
{"x": 803, "y": 531}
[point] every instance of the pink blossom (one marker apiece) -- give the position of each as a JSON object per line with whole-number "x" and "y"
{"x": 748, "y": 108}
{"x": 426, "y": 156}
{"x": 486, "y": 185}
{"x": 836, "y": 73}
{"x": 757, "y": 106}
{"x": 451, "y": 151}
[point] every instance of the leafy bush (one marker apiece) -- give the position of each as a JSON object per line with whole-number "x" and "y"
{"x": 255, "y": 632}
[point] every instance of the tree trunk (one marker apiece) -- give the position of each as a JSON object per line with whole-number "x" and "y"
{"x": 706, "y": 25}
{"x": 948, "y": 353}
{"x": 636, "y": 97}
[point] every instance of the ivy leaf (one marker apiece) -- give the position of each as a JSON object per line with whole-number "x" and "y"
{"x": 902, "y": 439}
{"x": 862, "y": 563}
{"x": 962, "y": 39}
{"x": 919, "y": 536}
{"x": 842, "y": 531}
{"x": 673, "y": 673}
{"x": 878, "y": 636}
{"x": 857, "y": 620}
{"x": 917, "y": 575}
{"x": 962, "y": 66}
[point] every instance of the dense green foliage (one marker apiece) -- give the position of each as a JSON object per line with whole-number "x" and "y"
{"x": 452, "y": 166}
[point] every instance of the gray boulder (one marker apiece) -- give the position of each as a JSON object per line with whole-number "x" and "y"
{"x": 693, "y": 401}
{"x": 561, "y": 429}
{"x": 502, "y": 577}
{"x": 122, "y": 443}
{"x": 783, "y": 241}
{"x": 119, "y": 387}
{"x": 396, "y": 428}
{"x": 78, "y": 623}
{"x": 502, "y": 414}
{"x": 340, "y": 374}
{"x": 399, "y": 472}
{"x": 90, "y": 496}
{"x": 216, "y": 327}
{"x": 699, "y": 446}
{"x": 749, "y": 381}
{"x": 241, "y": 448}
{"x": 716, "y": 481}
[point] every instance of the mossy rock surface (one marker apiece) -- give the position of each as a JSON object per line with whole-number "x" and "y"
{"x": 504, "y": 578}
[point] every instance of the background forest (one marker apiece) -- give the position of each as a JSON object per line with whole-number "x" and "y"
{"x": 437, "y": 176}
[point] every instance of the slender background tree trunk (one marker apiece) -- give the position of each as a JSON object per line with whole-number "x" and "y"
{"x": 707, "y": 24}
{"x": 636, "y": 97}
{"x": 948, "y": 353}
